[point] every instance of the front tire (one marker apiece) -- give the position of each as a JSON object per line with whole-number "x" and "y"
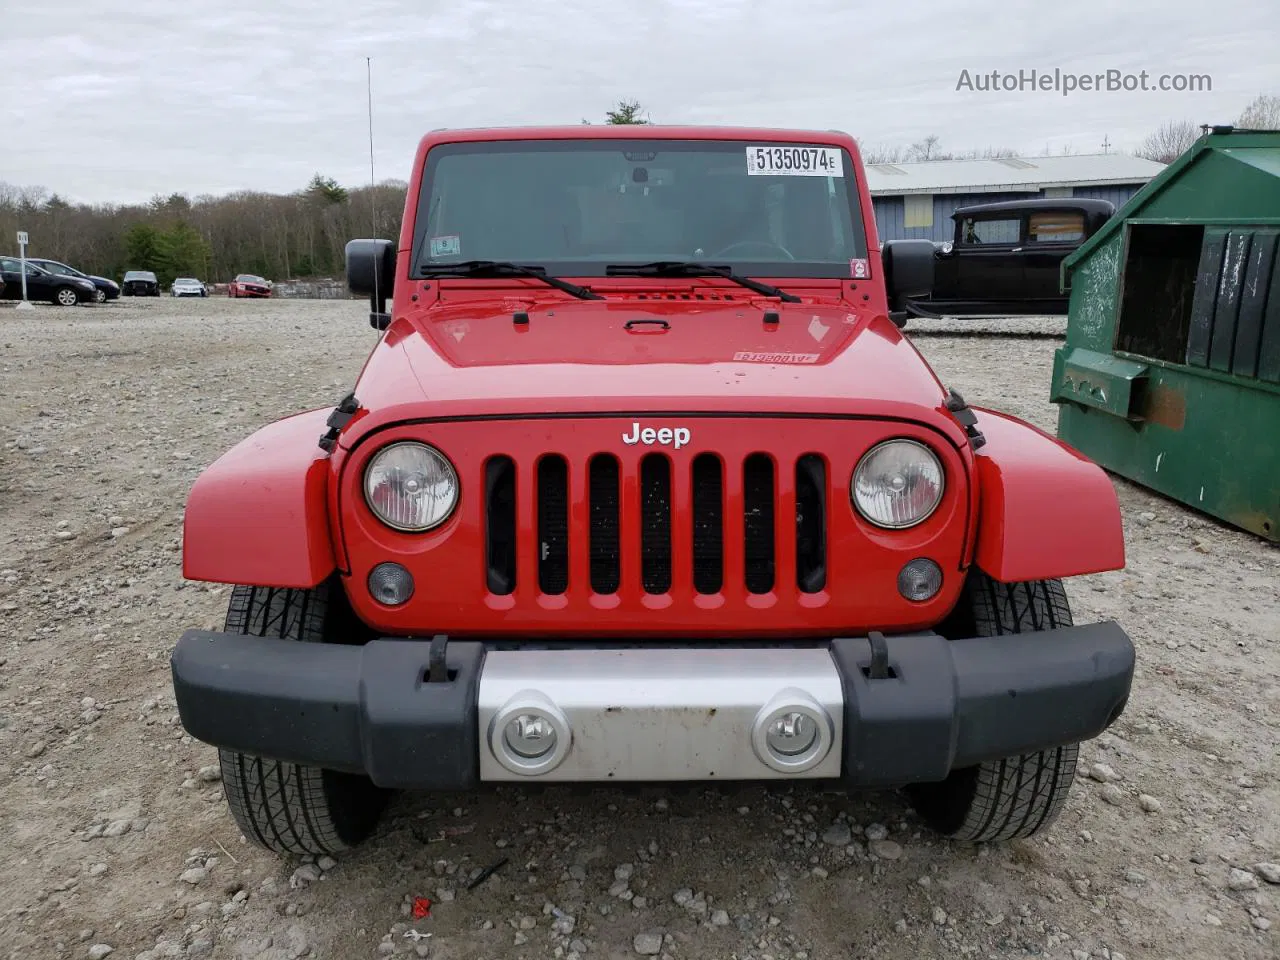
{"x": 1015, "y": 796}
{"x": 66, "y": 297}
{"x": 100, "y": 296}
{"x": 287, "y": 807}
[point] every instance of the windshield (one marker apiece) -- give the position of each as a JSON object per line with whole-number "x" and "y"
{"x": 186, "y": 280}
{"x": 578, "y": 206}
{"x": 249, "y": 278}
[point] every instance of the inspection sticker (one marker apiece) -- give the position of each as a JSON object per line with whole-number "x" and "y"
{"x": 450, "y": 246}
{"x": 795, "y": 161}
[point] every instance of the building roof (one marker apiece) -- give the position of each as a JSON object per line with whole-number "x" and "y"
{"x": 1009, "y": 174}
{"x": 1257, "y": 150}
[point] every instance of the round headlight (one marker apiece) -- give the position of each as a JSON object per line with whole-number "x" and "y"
{"x": 411, "y": 486}
{"x": 897, "y": 483}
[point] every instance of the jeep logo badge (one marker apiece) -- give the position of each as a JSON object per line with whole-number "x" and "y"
{"x": 675, "y": 437}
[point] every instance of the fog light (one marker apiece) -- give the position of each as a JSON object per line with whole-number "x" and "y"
{"x": 792, "y": 734}
{"x": 390, "y": 584}
{"x": 530, "y": 736}
{"x": 920, "y": 579}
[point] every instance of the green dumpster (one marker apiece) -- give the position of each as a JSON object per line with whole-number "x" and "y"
{"x": 1170, "y": 374}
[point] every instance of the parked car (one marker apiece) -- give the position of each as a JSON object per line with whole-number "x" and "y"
{"x": 249, "y": 285}
{"x": 140, "y": 283}
{"x": 188, "y": 287}
{"x": 540, "y": 541}
{"x": 59, "y": 288}
{"x": 106, "y": 289}
{"x": 1005, "y": 258}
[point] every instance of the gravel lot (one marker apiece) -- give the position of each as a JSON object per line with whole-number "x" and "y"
{"x": 115, "y": 838}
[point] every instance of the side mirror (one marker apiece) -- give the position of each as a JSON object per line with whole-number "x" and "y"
{"x": 908, "y": 275}
{"x": 371, "y": 270}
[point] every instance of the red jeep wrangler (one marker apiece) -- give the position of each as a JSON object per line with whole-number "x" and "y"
{"x": 642, "y": 483}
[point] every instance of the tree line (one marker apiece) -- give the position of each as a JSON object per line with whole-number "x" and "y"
{"x": 288, "y": 236}
{"x": 302, "y": 234}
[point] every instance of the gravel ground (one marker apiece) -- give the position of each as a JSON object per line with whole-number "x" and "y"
{"x": 115, "y": 836}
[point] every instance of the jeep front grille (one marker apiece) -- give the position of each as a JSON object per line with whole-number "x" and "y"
{"x": 680, "y": 505}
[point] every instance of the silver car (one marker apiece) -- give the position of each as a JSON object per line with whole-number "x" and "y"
{"x": 188, "y": 287}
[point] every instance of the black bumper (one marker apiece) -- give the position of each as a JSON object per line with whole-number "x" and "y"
{"x": 941, "y": 705}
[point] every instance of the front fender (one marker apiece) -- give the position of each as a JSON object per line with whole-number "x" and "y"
{"x": 1045, "y": 511}
{"x": 259, "y": 514}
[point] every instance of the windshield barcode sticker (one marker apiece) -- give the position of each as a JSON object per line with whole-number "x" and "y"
{"x": 795, "y": 161}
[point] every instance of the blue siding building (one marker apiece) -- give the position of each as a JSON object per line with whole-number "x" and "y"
{"x": 916, "y": 200}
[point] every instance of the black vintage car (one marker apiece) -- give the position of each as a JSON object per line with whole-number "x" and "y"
{"x": 140, "y": 283}
{"x": 106, "y": 289}
{"x": 55, "y": 288}
{"x": 1005, "y": 258}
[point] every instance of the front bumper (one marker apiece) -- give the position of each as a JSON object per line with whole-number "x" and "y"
{"x": 657, "y": 712}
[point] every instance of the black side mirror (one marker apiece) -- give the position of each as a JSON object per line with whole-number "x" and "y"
{"x": 908, "y": 275}
{"x": 371, "y": 270}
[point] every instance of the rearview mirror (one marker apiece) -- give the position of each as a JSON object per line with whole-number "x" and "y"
{"x": 371, "y": 270}
{"x": 908, "y": 274}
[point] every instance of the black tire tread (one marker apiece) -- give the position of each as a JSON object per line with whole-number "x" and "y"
{"x": 287, "y": 807}
{"x": 1016, "y": 796}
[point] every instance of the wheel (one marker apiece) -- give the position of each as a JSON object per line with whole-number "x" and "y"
{"x": 66, "y": 297}
{"x": 1016, "y": 796}
{"x": 285, "y": 807}
{"x": 100, "y": 295}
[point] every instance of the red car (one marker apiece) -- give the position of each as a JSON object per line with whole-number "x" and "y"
{"x": 643, "y": 483}
{"x": 249, "y": 285}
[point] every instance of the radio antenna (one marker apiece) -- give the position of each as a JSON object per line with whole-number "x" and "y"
{"x": 373, "y": 183}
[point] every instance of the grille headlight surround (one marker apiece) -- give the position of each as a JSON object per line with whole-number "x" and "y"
{"x": 897, "y": 484}
{"x": 411, "y": 486}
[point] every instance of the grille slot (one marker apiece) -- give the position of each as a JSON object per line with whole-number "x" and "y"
{"x": 500, "y": 524}
{"x": 708, "y": 524}
{"x": 553, "y": 524}
{"x": 757, "y": 506}
{"x": 603, "y": 546}
{"x": 655, "y": 523}
{"x": 811, "y": 523}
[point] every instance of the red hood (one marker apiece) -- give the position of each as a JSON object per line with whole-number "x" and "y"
{"x": 470, "y": 359}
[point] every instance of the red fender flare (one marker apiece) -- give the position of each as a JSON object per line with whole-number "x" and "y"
{"x": 259, "y": 514}
{"x": 1045, "y": 510}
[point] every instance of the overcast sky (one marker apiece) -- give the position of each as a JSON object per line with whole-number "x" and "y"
{"x": 120, "y": 101}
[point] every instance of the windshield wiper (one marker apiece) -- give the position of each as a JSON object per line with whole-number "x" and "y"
{"x": 692, "y": 268}
{"x": 504, "y": 268}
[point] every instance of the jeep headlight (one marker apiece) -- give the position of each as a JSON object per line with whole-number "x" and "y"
{"x": 411, "y": 486}
{"x": 897, "y": 484}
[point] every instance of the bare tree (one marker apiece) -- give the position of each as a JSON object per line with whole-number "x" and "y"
{"x": 1262, "y": 113}
{"x": 927, "y": 149}
{"x": 879, "y": 154}
{"x": 1169, "y": 141}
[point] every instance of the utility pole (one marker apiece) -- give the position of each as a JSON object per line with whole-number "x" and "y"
{"x": 1106, "y": 143}
{"x": 22, "y": 260}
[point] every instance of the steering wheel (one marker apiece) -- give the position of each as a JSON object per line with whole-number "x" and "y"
{"x": 758, "y": 244}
